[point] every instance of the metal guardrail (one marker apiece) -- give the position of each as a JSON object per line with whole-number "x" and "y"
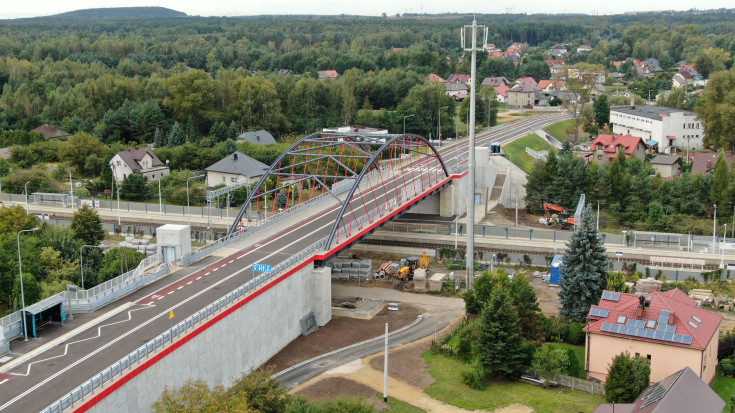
{"x": 537, "y": 154}
{"x": 136, "y": 356}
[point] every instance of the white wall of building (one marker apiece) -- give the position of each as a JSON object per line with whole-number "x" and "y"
{"x": 687, "y": 129}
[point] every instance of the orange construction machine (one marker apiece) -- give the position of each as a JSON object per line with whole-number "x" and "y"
{"x": 561, "y": 220}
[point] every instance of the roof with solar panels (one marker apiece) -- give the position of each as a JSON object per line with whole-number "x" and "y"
{"x": 670, "y": 317}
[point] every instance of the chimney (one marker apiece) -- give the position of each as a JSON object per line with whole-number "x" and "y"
{"x": 672, "y": 318}
{"x": 641, "y": 307}
{"x": 234, "y": 156}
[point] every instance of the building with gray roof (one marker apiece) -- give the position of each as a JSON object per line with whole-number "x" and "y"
{"x": 235, "y": 168}
{"x": 259, "y": 137}
{"x": 671, "y": 129}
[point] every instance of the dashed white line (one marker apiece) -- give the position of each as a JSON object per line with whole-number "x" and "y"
{"x": 240, "y": 257}
{"x": 189, "y": 282}
{"x": 180, "y": 287}
{"x": 1, "y": 382}
{"x": 199, "y": 278}
{"x": 231, "y": 262}
{"x": 207, "y": 274}
{"x": 170, "y": 292}
{"x": 223, "y": 265}
{"x": 214, "y": 270}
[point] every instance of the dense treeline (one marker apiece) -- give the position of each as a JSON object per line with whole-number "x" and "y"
{"x": 122, "y": 79}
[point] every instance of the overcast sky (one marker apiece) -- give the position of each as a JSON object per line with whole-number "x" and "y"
{"x": 31, "y": 8}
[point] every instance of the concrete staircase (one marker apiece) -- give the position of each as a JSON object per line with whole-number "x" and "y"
{"x": 498, "y": 187}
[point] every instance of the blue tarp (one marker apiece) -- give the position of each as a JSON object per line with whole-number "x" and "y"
{"x": 556, "y": 265}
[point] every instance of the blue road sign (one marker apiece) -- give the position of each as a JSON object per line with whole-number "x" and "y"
{"x": 262, "y": 267}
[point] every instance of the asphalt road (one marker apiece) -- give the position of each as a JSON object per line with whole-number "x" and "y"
{"x": 41, "y": 380}
{"x": 423, "y": 327}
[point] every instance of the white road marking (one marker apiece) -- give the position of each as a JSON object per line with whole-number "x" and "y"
{"x": 1, "y": 382}
{"x": 180, "y": 287}
{"x": 189, "y": 282}
{"x": 199, "y": 278}
{"x": 170, "y": 292}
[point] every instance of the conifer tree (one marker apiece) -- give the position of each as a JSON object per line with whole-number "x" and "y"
{"x": 176, "y": 137}
{"x": 627, "y": 377}
{"x": 584, "y": 274}
{"x": 158, "y": 138}
{"x": 191, "y": 131}
{"x": 233, "y": 131}
{"x": 501, "y": 347}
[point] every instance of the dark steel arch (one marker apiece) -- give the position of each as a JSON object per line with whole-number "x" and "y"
{"x": 360, "y": 142}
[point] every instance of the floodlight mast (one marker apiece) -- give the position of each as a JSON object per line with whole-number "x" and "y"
{"x": 470, "y": 257}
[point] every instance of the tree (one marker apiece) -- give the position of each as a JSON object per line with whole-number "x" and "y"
{"x": 538, "y": 70}
{"x": 134, "y": 187}
{"x": 176, "y": 136}
{"x": 720, "y": 192}
{"x": 501, "y": 347}
{"x": 525, "y": 302}
{"x": 78, "y": 148}
{"x": 425, "y": 101}
{"x": 196, "y": 396}
{"x": 191, "y": 93}
{"x": 118, "y": 261}
{"x": 717, "y": 110}
{"x": 584, "y": 270}
{"x": 15, "y": 218}
{"x": 158, "y": 138}
{"x": 581, "y": 91}
{"x": 550, "y": 360}
{"x": 87, "y": 226}
{"x": 31, "y": 291}
{"x": 262, "y": 392}
{"x": 712, "y": 59}
{"x": 627, "y": 377}
{"x": 616, "y": 282}
{"x": 602, "y": 111}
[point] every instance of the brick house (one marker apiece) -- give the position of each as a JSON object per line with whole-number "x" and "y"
{"x": 667, "y": 328}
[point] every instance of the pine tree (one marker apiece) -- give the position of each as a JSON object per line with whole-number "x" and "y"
{"x": 233, "y": 131}
{"x": 627, "y": 377}
{"x": 176, "y": 137}
{"x": 191, "y": 131}
{"x": 158, "y": 138}
{"x": 602, "y": 111}
{"x": 721, "y": 181}
{"x": 501, "y": 349}
{"x": 584, "y": 275}
{"x": 525, "y": 302}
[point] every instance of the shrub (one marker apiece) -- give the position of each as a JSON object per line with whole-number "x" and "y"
{"x": 728, "y": 367}
{"x": 573, "y": 369}
{"x": 726, "y": 347}
{"x": 575, "y": 334}
{"x": 474, "y": 377}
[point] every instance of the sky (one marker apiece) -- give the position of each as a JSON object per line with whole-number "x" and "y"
{"x": 32, "y": 8}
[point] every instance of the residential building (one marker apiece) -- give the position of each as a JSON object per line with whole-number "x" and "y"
{"x": 137, "y": 160}
{"x": 235, "y": 168}
{"x": 558, "y": 50}
{"x": 653, "y": 65}
{"x": 671, "y": 128}
{"x": 551, "y": 85}
{"x": 259, "y": 137}
{"x": 328, "y": 74}
{"x": 553, "y": 62}
{"x": 434, "y": 78}
{"x": 522, "y": 94}
{"x": 357, "y": 129}
{"x": 460, "y": 79}
{"x": 667, "y": 328}
{"x": 51, "y": 131}
{"x": 515, "y": 48}
{"x": 491, "y": 48}
{"x": 681, "y": 392}
{"x": 668, "y": 166}
{"x": 513, "y": 58}
{"x": 683, "y": 79}
{"x": 455, "y": 89}
{"x": 502, "y": 94}
{"x": 606, "y": 147}
{"x": 584, "y": 48}
{"x": 495, "y": 81}
{"x": 527, "y": 80}
{"x": 703, "y": 162}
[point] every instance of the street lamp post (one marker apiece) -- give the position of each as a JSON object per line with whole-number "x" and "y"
{"x": 188, "y": 213}
{"x": 439, "y": 128}
{"x": 26, "y": 190}
{"x": 404, "y": 122}
{"x": 22, "y": 295}
{"x": 114, "y": 176}
{"x": 714, "y": 230}
{"x": 722, "y": 248}
{"x": 160, "y": 201}
{"x": 81, "y": 265}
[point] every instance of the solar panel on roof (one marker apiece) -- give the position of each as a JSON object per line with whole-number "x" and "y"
{"x": 614, "y": 328}
{"x": 650, "y": 333}
{"x": 658, "y": 390}
{"x": 687, "y": 340}
{"x": 610, "y": 296}
{"x": 663, "y": 317}
{"x": 668, "y": 336}
{"x": 659, "y": 335}
{"x": 599, "y": 312}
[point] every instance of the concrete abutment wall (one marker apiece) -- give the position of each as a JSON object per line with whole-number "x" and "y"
{"x": 238, "y": 343}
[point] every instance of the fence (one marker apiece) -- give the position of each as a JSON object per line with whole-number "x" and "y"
{"x": 168, "y": 336}
{"x": 573, "y": 383}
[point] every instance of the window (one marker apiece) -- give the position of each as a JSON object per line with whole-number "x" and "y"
{"x": 599, "y": 157}
{"x": 600, "y": 147}
{"x": 233, "y": 180}
{"x": 118, "y": 163}
{"x": 224, "y": 179}
{"x": 648, "y": 356}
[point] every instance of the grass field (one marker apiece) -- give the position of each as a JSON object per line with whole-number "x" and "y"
{"x": 448, "y": 388}
{"x": 398, "y": 406}
{"x": 724, "y": 387}
{"x": 517, "y": 151}
{"x": 559, "y": 129}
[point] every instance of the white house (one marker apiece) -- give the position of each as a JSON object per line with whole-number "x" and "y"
{"x": 235, "y": 168}
{"x": 136, "y": 160}
{"x": 669, "y": 128}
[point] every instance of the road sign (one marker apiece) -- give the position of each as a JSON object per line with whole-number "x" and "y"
{"x": 262, "y": 267}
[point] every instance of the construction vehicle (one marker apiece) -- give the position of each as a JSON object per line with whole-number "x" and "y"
{"x": 424, "y": 262}
{"x": 562, "y": 220}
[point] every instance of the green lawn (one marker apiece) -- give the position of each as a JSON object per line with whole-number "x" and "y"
{"x": 559, "y": 129}
{"x": 397, "y": 406}
{"x": 516, "y": 151}
{"x": 448, "y": 388}
{"x": 724, "y": 387}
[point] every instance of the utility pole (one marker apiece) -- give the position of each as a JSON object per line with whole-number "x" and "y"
{"x": 471, "y": 148}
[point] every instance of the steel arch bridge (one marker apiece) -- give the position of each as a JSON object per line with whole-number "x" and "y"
{"x": 369, "y": 175}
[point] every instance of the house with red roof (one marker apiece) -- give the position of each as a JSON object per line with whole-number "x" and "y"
{"x": 434, "y": 78}
{"x": 502, "y": 93}
{"x": 552, "y": 62}
{"x": 667, "y": 328}
{"x": 703, "y": 162}
{"x": 606, "y": 147}
{"x": 551, "y": 85}
{"x": 459, "y": 78}
{"x": 51, "y": 131}
{"x": 328, "y": 74}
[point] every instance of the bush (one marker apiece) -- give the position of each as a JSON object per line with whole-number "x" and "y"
{"x": 465, "y": 338}
{"x": 726, "y": 347}
{"x": 575, "y": 334}
{"x": 474, "y": 377}
{"x": 573, "y": 369}
{"x": 728, "y": 367}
